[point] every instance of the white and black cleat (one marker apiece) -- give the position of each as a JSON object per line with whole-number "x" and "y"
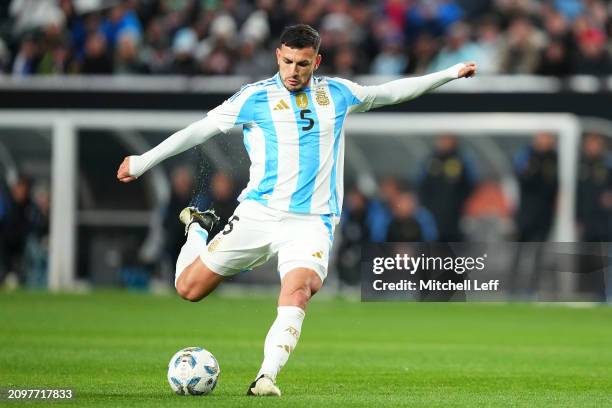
{"x": 206, "y": 219}
{"x": 263, "y": 387}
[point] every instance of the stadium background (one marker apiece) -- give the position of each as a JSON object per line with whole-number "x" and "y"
{"x": 84, "y": 83}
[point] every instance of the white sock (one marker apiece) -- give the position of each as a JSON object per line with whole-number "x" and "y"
{"x": 196, "y": 242}
{"x": 281, "y": 340}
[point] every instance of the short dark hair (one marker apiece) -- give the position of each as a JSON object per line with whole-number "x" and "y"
{"x": 300, "y": 36}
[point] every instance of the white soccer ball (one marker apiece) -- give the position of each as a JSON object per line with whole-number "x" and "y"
{"x": 193, "y": 371}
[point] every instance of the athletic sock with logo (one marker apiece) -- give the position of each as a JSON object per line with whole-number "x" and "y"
{"x": 196, "y": 242}
{"x": 281, "y": 339}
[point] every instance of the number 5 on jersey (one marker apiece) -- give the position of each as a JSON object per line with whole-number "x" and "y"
{"x": 303, "y": 116}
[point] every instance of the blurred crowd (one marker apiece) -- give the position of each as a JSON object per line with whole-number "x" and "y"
{"x": 24, "y": 232}
{"x": 224, "y": 37}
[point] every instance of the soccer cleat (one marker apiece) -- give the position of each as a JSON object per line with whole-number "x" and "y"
{"x": 206, "y": 219}
{"x": 263, "y": 387}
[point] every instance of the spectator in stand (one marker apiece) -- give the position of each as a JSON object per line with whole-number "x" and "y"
{"x": 395, "y": 11}
{"x": 80, "y": 31}
{"x": 127, "y": 60}
{"x": 97, "y": 59}
{"x": 121, "y": 19}
{"x": 554, "y": 60}
{"x": 521, "y": 50}
{"x": 557, "y": 27}
{"x": 56, "y": 54}
{"x": 279, "y": 14}
{"x": 570, "y": 9}
{"x": 536, "y": 167}
{"x": 594, "y": 195}
{"x": 362, "y": 39}
{"x": 447, "y": 179}
{"x": 422, "y": 54}
{"x": 31, "y": 15}
{"x": 391, "y": 60}
{"x": 27, "y": 59}
{"x": 183, "y": 47}
{"x": 345, "y": 62}
{"x": 592, "y": 57}
{"x": 488, "y": 43}
{"x": 219, "y": 61}
{"x": 488, "y": 214}
{"x": 57, "y": 61}
{"x": 17, "y": 227}
{"x": 537, "y": 171}
{"x": 215, "y": 54}
{"x": 458, "y": 47}
{"x": 180, "y": 197}
{"x": 223, "y": 199}
{"x": 380, "y": 211}
{"x": 594, "y": 215}
{"x": 256, "y": 27}
{"x": 411, "y": 222}
{"x": 507, "y": 10}
{"x": 155, "y": 53}
{"x": 354, "y": 232}
{"x": 36, "y": 253}
{"x": 434, "y": 17}
{"x": 383, "y": 31}
{"x": 253, "y": 61}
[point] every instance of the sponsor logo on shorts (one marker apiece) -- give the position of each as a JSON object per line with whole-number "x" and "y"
{"x": 318, "y": 254}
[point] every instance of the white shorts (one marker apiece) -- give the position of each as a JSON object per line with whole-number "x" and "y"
{"x": 255, "y": 233}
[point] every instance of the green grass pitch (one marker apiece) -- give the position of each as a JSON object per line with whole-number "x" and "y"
{"x": 112, "y": 348}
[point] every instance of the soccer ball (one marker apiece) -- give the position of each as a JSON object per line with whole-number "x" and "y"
{"x": 193, "y": 371}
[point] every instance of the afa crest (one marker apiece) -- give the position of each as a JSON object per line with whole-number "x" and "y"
{"x": 321, "y": 97}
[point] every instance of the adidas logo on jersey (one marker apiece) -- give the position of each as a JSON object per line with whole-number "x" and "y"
{"x": 281, "y": 105}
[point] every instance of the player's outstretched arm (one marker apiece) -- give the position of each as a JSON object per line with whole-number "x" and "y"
{"x": 198, "y": 132}
{"x": 405, "y": 89}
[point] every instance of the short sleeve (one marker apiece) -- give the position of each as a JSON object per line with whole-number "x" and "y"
{"x": 237, "y": 110}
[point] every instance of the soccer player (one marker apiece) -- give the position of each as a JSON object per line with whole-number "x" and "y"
{"x": 293, "y": 132}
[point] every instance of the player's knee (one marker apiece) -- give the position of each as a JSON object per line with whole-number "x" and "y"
{"x": 182, "y": 290}
{"x": 193, "y": 295}
{"x": 188, "y": 292}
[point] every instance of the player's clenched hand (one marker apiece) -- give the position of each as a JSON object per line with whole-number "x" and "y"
{"x": 123, "y": 174}
{"x": 468, "y": 71}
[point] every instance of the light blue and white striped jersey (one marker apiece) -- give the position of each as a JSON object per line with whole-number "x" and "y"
{"x": 295, "y": 141}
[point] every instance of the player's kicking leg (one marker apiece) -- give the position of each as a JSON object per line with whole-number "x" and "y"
{"x": 194, "y": 279}
{"x": 297, "y": 288}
